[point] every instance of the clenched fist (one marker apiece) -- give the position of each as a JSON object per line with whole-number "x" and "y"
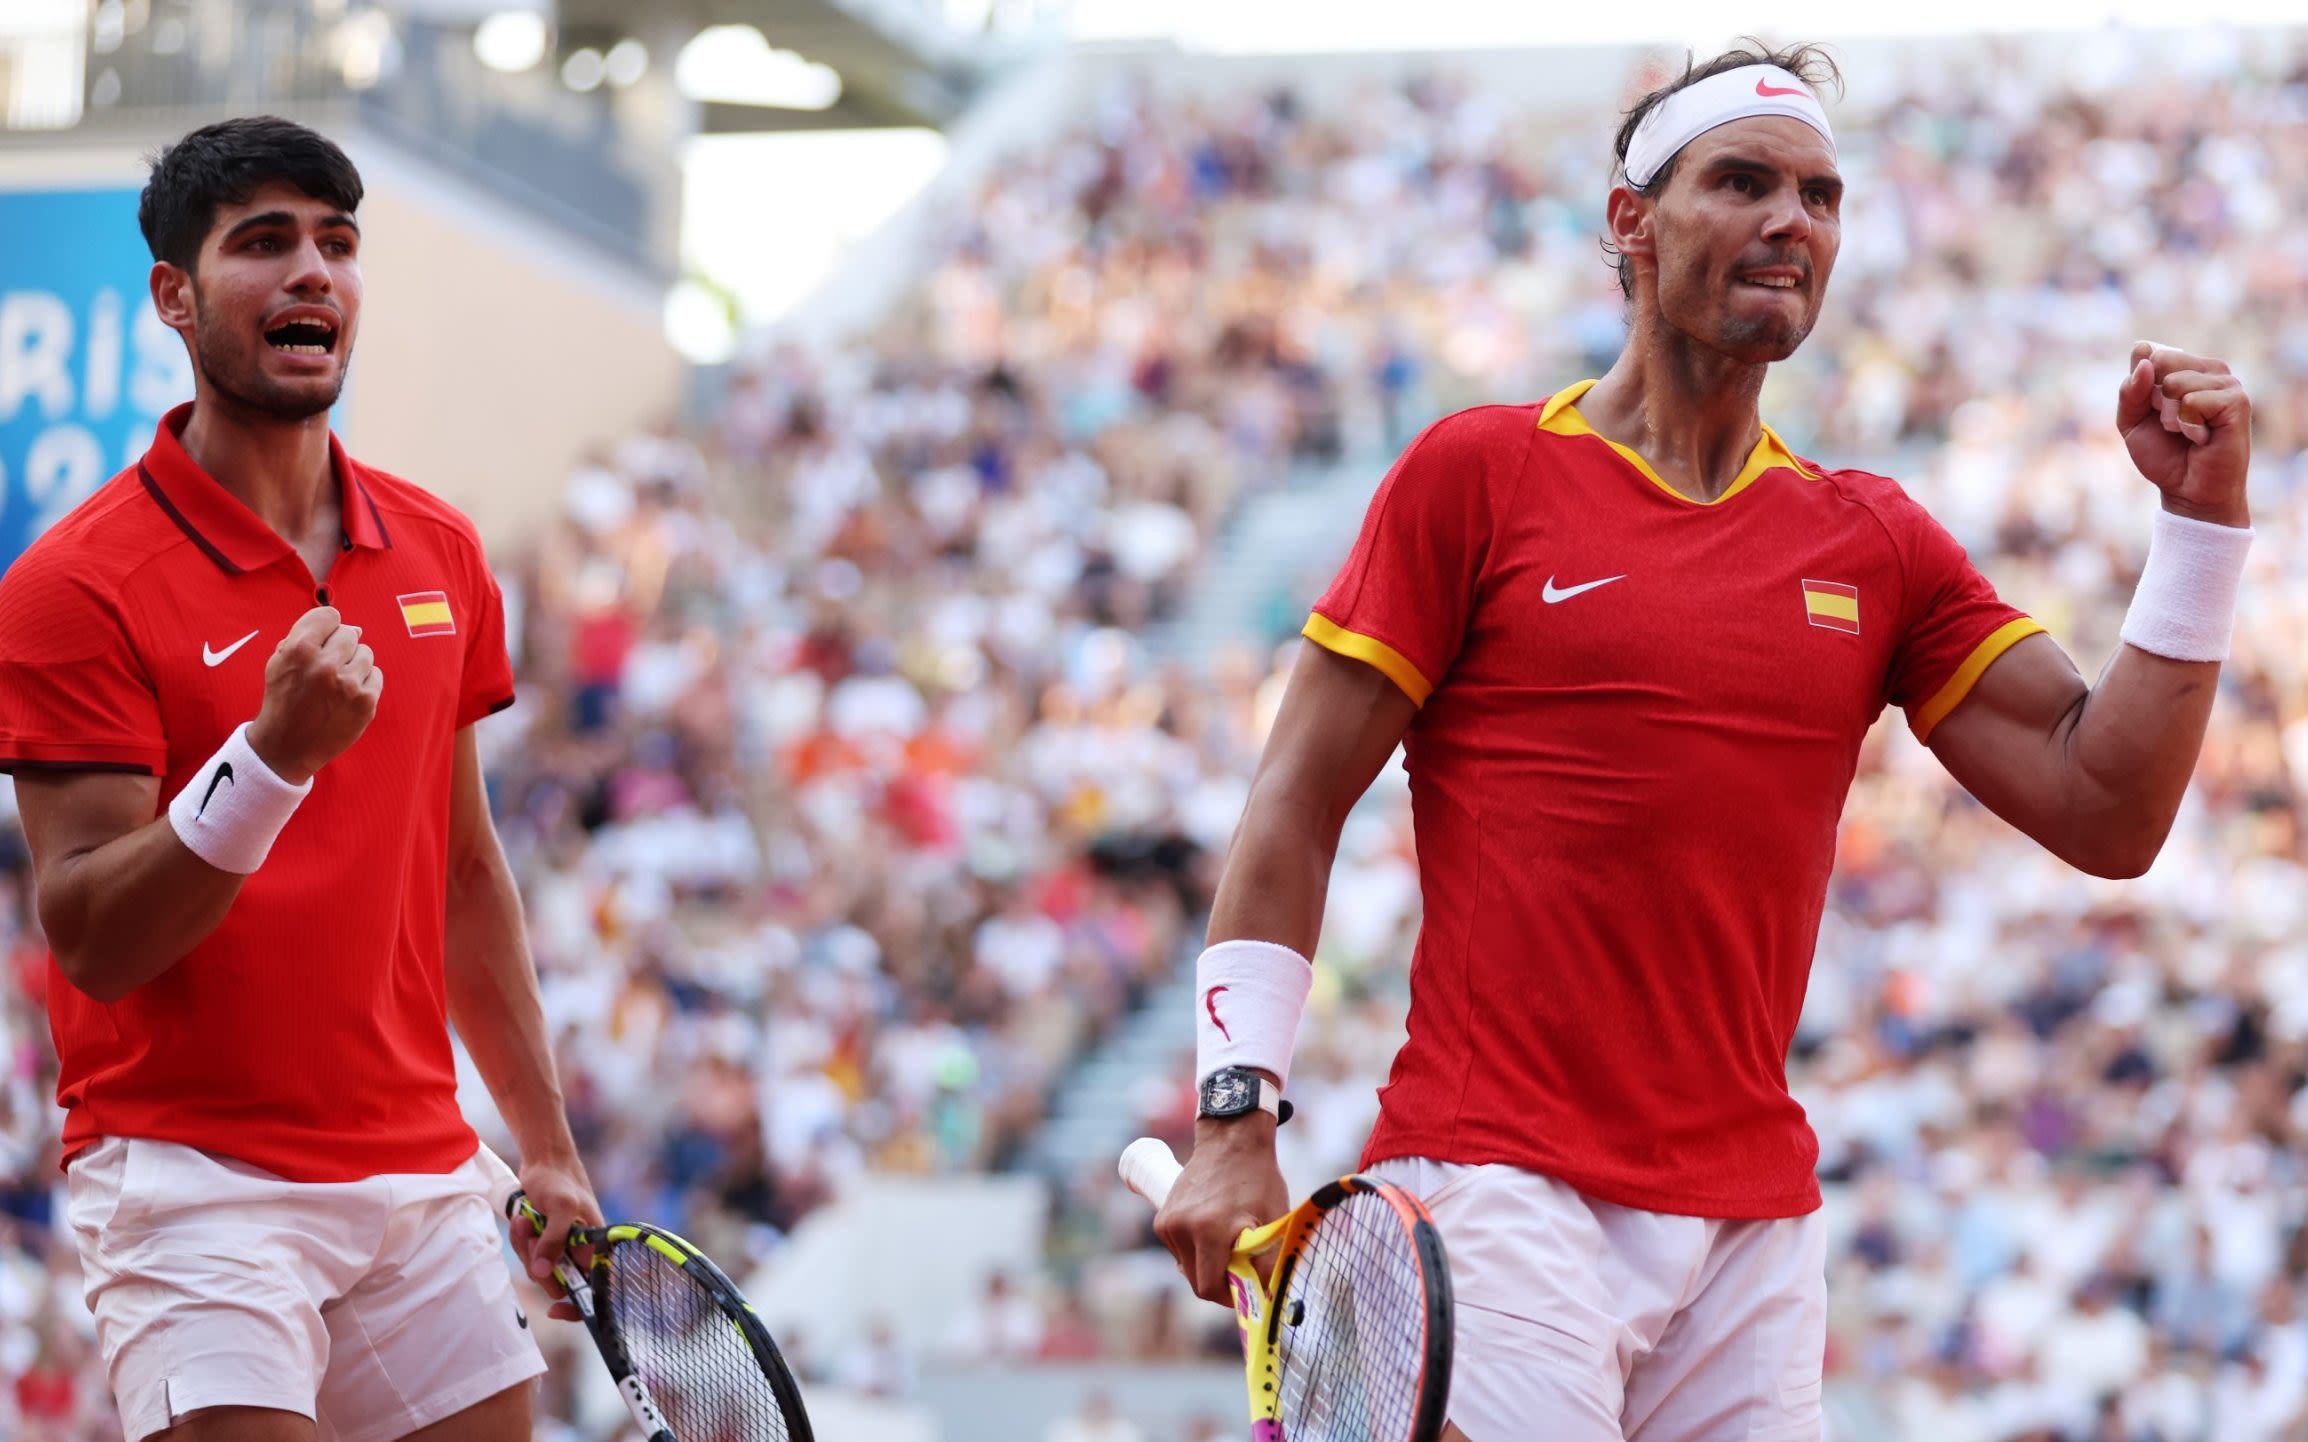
{"x": 320, "y": 692}
{"x": 2188, "y": 424}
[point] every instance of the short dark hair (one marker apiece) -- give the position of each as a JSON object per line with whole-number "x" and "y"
{"x": 1808, "y": 63}
{"x": 225, "y": 164}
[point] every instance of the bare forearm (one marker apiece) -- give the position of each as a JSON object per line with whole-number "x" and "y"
{"x": 1277, "y": 875}
{"x": 494, "y": 1004}
{"x": 2130, "y": 747}
{"x": 120, "y": 914}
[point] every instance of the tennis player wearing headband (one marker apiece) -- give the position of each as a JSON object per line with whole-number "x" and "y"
{"x": 1630, "y": 644}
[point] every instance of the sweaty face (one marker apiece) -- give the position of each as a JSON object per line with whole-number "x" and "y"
{"x": 276, "y": 299}
{"x": 1746, "y": 230}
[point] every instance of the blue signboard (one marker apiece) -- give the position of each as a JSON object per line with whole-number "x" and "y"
{"x": 86, "y": 368}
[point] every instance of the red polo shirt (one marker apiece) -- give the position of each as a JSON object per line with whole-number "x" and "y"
{"x": 1639, "y": 716}
{"x": 308, "y": 1033}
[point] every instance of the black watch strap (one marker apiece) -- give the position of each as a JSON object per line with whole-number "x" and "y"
{"x": 1238, "y": 1091}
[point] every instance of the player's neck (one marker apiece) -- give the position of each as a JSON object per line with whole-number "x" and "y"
{"x": 278, "y": 469}
{"x": 1689, "y": 411}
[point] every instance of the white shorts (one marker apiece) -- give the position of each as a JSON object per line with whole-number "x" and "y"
{"x": 374, "y": 1307}
{"x": 1582, "y": 1321}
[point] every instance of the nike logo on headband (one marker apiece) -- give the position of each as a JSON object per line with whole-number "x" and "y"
{"x": 1765, "y": 87}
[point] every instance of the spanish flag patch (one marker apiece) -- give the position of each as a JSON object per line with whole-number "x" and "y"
{"x": 427, "y": 613}
{"x": 1831, "y": 604}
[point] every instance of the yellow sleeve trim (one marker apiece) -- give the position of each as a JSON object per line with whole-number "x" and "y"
{"x": 1966, "y": 676}
{"x": 1371, "y": 651}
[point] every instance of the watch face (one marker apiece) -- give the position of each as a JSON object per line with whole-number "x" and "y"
{"x": 1227, "y": 1093}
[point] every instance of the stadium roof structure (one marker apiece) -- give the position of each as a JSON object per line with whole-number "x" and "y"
{"x": 548, "y": 137}
{"x": 900, "y": 63}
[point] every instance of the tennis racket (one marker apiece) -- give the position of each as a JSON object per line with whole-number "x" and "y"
{"x": 688, "y": 1353}
{"x": 1351, "y": 1341}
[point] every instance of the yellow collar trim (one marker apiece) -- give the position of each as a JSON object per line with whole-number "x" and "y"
{"x": 1560, "y": 416}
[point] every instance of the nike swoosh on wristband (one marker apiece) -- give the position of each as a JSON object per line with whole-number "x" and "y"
{"x": 218, "y": 658}
{"x": 222, "y": 776}
{"x": 1210, "y": 1004}
{"x": 1550, "y": 595}
{"x": 1765, "y": 87}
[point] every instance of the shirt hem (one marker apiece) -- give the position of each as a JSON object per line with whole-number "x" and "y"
{"x": 1371, "y": 651}
{"x": 436, "y": 1157}
{"x": 472, "y": 714}
{"x": 1775, "y": 1206}
{"x": 11, "y": 765}
{"x": 80, "y": 755}
{"x": 1926, "y": 718}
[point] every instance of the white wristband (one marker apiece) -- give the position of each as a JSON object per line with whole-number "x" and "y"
{"x": 1248, "y": 997}
{"x": 2185, "y": 605}
{"x": 234, "y": 807}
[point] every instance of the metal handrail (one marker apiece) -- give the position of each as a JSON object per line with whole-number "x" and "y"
{"x": 555, "y": 152}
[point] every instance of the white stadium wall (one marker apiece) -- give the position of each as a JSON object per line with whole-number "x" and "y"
{"x": 494, "y": 352}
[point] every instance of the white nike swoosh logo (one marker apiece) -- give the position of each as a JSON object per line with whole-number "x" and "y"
{"x": 218, "y": 658}
{"x": 1550, "y": 595}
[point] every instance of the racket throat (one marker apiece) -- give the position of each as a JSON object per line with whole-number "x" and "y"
{"x": 629, "y": 1385}
{"x": 580, "y": 1295}
{"x": 644, "y": 1410}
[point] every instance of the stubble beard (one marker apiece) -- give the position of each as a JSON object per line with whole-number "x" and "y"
{"x": 1775, "y": 339}
{"x": 233, "y": 374}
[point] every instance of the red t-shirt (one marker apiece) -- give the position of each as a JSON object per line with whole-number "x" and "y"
{"x": 1639, "y": 718}
{"x": 308, "y": 1033}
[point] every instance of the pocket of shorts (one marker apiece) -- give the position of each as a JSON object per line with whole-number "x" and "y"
{"x": 1458, "y": 1182}
{"x": 1802, "y": 1373}
{"x": 116, "y": 1188}
{"x": 495, "y": 1178}
{"x": 94, "y": 1184}
{"x": 133, "y": 1199}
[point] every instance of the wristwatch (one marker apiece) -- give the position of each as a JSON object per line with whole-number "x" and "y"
{"x": 1233, "y": 1091}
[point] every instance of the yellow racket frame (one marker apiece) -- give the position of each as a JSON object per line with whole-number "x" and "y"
{"x": 1286, "y": 1238}
{"x": 1254, "y": 1314}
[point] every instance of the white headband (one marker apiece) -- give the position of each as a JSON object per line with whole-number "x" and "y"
{"x": 1691, "y": 112}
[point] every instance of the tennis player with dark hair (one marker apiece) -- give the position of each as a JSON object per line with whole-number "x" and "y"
{"x": 269, "y": 881}
{"x": 1631, "y": 645}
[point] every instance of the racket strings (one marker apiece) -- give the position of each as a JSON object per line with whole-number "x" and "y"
{"x": 698, "y": 1366}
{"x": 1352, "y": 1337}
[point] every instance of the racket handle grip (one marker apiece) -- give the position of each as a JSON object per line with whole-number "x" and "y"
{"x": 1150, "y": 1169}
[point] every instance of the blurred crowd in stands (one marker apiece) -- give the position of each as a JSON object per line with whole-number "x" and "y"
{"x": 856, "y": 791}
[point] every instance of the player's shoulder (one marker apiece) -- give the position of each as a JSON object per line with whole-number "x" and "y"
{"x": 1881, "y": 496}
{"x": 73, "y": 585}
{"x": 1476, "y": 451}
{"x": 1484, "y": 426}
{"x": 405, "y": 508}
{"x": 99, "y": 545}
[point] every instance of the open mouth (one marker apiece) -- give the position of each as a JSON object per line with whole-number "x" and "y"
{"x": 303, "y": 337}
{"x": 1772, "y": 282}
